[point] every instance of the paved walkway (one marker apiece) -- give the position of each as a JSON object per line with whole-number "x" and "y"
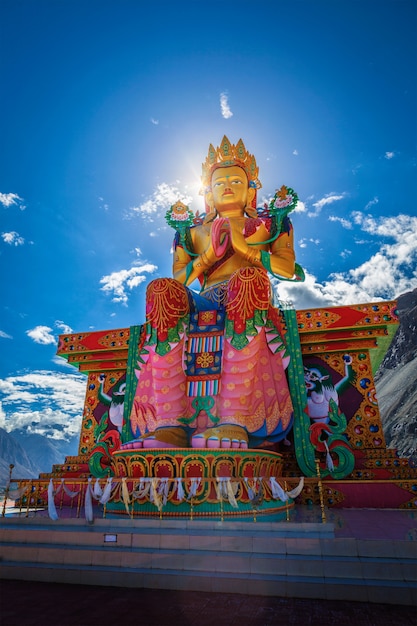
{"x": 40, "y": 604}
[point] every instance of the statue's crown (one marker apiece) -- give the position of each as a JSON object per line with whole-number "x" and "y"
{"x": 228, "y": 154}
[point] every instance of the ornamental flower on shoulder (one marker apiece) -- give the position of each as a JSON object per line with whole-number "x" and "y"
{"x": 179, "y": 215}
{"x": 284, "y": 198}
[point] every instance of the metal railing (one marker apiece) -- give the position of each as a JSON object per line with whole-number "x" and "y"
{"x": 129, "y": 498}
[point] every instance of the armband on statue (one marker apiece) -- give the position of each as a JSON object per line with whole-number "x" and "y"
{"x": 266, "y": 261}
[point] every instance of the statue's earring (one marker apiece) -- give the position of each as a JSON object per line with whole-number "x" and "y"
{"x": 210, "y": 215}
{"x": 250, "y": 211}
{"x": 210, "y": 210}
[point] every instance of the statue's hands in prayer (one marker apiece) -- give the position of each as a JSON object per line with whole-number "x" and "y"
{"x": 220, "y": 236}
{"x": 239, "y": 243}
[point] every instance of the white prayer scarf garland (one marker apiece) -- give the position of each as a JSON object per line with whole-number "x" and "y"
{"x": 52, "y": 512}
{"x": 158, "y": 491}
{"x": 16, "y": 494}
{"x": 278, "y": 492}
{"x": 107, "y": 492}
{"x": 102, "y": 496}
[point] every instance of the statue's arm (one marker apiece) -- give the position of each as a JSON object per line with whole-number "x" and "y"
{"x": 282, "y": 254}
{"x": 186, "y": 269}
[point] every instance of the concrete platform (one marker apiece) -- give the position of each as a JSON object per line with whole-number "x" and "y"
{"x": 358, "y": 555}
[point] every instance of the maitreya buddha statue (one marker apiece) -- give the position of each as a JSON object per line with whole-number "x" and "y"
{"x": 211, "y": 366}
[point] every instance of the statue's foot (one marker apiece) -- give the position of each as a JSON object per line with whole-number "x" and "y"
{"x": 168, "y": 437}
{"x": 227, "y": 436}
{"x": 132, "y": 445}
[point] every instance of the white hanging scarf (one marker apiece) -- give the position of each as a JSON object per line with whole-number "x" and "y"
{"x": 155, "y": 497}
{"x": 278, "y": 492}
{"x": 107, "y": 492}
{"x": 51, "y": 502}
{"x": 195, "y": 484}
{"x": 329, "y": 460}
{"x": 98, "y": 492}
{"x": 126, "y": 496}
{"x": 298, "y": 489}
{"x": 180, "y": 489}
{"x": 142, "y": 489}
{"x": 70, "y": 494}
{"x": 163, "y": 489}
{"x": 252, "y": 491}
{"x": 52, "y": 512}
{"x": 16, "y": 494}
{"x": 88, "y": 502}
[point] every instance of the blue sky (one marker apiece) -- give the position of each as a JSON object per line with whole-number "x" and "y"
{"x": 107, "y": 112}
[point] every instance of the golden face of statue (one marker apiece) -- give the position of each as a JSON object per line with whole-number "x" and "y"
{"x": 230, "y": 191}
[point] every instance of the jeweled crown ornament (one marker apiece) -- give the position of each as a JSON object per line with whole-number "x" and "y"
{"x": 228, "y": 154}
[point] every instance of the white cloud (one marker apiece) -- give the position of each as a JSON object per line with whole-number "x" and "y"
{"x": 103, "y": 205}
{"x": 371, "y": 203}
{"x": 224, "y": 106}
{"x": 64, "y": 328}
{"x": 4, "y": 335}
{"x": 42, "y": 335}
{"x": 300, "y": 207}
{"x": 305, "y": 241}
{"x": 9, "y": 199}
{"x": 118, "y": 284}
{"x": 13, "y": 238}
{"x": 345, "y": 253}
{"x": 61, "y": 362}
{"x": 154, "y": 121}
{"x": 155, "y": 207}
{"x": 295, "y": 152}
{"x": 389, "y": 155}
{"x": 328, "y": 199}
{"x": 384, "y": 276}
{"x": 345, "y": 223}
{"x": 43, "y": 402}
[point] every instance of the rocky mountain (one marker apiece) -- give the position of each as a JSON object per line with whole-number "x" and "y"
{"x": 11, "y": 452}
{"x": 396, "y": 382}
{"x": 31, "y": 454}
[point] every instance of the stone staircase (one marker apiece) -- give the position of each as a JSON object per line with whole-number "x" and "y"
{"x": 286, "y": 559}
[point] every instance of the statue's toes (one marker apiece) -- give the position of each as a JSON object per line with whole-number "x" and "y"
{"x": 198, "y": 441}
{"x": 215, "y": 442}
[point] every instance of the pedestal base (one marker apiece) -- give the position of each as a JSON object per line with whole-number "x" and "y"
{"x": 201, "y": 483}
